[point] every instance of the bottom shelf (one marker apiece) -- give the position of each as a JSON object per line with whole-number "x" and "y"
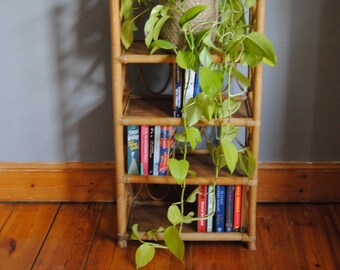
{"x": 150, "y": 215}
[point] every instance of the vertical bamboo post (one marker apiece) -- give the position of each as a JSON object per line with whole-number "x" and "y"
{"x": 255, "y": 143}
{"x": 117, "y": 94}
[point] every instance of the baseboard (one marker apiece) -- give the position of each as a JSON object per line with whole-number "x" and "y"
{"x": 94, "y": 182}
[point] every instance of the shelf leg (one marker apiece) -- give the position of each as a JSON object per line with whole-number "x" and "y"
{"x": 122, "y": 241}
{"x": 252, "y": 245}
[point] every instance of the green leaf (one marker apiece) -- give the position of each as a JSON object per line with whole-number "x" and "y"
{"x": 188, "y": 218}
{"x": 157, "y": 10}
{"x": 126, "y": 10}
{"x": 159, "y": 26}
{"x": 192, "y": 197}
{"x": 135, "y": 234}
{"x": 161, "y": 44}
{"x": 193, "y": 136}
{"x": 148, "y": 30}
{"x": 127, "y": 33}
{"x": 174, "y": 215}
{"x": 261, "y": 46}
{"x": 190, "y": 14}
{"x": 205, "y": 57}
{"x": 180, "y": 137}
{"x": 207, "y": 104}
{"x": 193, "y": 112}
{"x": 249, "y": 3}
{"x": 144, "y": 255}
{"x": 174, "y": 242}
{"x": 207, "y": 40}
{"x": 230, "y": 106}
{"x": 153, "y": 232}
{"x": 211, "y": 81}
{"x": 240, "y": 77}
{"x": 230, "y": 154}
{"x": 185, "y": 59}
{"x": 247, "y": 163}
{"x": 229, "y": 132}
{"x": 178, "y": 169}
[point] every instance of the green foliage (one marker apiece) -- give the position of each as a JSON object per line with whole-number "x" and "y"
{"x": 174, "y": 242}
{"x": 230, "y": 37}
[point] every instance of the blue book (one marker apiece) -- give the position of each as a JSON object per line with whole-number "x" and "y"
{"x": 229, "y": 220}
{"x": 220, "y": 209}
{"x": 197, "y": 88}
{"x": 133, "y": 149}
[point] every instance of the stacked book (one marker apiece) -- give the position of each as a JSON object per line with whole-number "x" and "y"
{"x": 149, "y": 149}
{"x": 222, "y": 212}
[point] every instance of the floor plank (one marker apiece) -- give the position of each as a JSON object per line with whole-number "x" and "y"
{"x": 68, "y": 244}
{"x": 6, "y": 210}
{"x": 24, "y": 233}
{"x": 104, "y": 244}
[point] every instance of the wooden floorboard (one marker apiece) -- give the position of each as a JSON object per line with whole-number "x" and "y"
{"x": 24, "y": 233}
{"x": 83, "y": 236}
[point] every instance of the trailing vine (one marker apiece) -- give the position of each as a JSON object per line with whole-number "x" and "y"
{"x": 228, "y": 36}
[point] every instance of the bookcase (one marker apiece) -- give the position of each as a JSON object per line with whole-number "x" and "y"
{"x": 145, "y": 111}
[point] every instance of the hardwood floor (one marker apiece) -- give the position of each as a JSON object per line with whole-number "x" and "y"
{"x": 82, "y": 236}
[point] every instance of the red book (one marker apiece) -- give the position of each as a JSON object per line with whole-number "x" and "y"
{"x": 237, "y": 208}
{"x": 144, "y": 150}
{"x": 202, "y": 208}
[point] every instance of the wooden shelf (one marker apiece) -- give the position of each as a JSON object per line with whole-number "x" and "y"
{"x": 157, "y": 110}
{"x": 149, "y": 216}
{"x": 204, "y": 168}
{"x": 138, "y": 53}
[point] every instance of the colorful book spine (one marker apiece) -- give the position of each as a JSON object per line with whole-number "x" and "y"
{"x": 178, "y": 79}
{"x": 210, "y": 207}
{"x": 189, "y": 84}
{"x": 237, "y": 208}
{"x": 220, "y": 209}
{"x": 133, "y": 150}
{"x": 157, "y": 148}
{"x": 144, "y": 150}
{"x": 197, "y": 88}
{"x": 151, "y": 148}
{"x": 229, "y": 213}
{"x": 164, "y": 150}
{"x": 202, "y": 208}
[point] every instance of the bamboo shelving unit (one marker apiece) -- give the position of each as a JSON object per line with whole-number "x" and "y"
{"x": 132, "y": 111}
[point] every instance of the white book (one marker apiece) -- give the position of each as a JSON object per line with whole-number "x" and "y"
{"x": 189, "y": 84}
{"x": 210, "y": 208}
{"x": 156, "y": 152}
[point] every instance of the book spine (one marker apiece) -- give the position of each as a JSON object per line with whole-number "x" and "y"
{"x": 202, "y": 208}
{"x": 144, "y": 150}
{"x": 178, "y": 91}
{"x": 229, "y": 215}
{"x": 210, "y": 207}
{"x": 197, "y": 88}
{"x": 237, "y": 208}
{"x": 156, "y": 153}
{"x": 164, "y": 150}
{"x": 189, "y": 85}
{"x": 133, "y": 150}
{"x": 220, "y": 209}
{"x": 151, "y": 148}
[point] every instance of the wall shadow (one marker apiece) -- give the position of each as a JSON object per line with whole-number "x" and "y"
{"x": 82, "y": 52}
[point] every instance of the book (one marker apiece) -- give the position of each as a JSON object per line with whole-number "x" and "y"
{"x": 164, "y": 150}
{"x": 220, "y": 209}
{"x": 151, "y": 148}
{"x": 237, "y": 208}
{"x": 197, "y": 88}
{"x": 133, "y": 149}
{"x": 202, "y": 208}
{"x": 229, "y": 207}
{"x": 178, "y": 90}
{"x": 156, "y": 153}
{"x": 144, "y": 150}
{"x": 210, "y": 207}
{"x": 189, "y": 84}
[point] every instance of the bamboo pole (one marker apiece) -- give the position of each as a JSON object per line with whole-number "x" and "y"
{"x": 117, "y": 94}
{"x": 255, "y": 143}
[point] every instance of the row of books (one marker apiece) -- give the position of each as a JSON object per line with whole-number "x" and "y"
{"x": 149, "y": 149}
{"x": 228, "y": 205}
{"x": 186, "y": 86}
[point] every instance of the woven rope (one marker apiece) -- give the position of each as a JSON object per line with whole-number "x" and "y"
{"x": 172, "y": 32}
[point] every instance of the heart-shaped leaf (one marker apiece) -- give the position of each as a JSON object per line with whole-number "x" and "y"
{"x": 174, "y": 242}
{"x": 178, "y": 169}
{"x": 144, "y": 255}
{"x": 174, "y": 215}
{"x": 230, "y": 154}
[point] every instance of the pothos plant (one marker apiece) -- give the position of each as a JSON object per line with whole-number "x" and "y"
{"x": 232, "y": 39}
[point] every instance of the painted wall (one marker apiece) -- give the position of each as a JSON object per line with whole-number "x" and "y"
{"x": 55, "y": 83}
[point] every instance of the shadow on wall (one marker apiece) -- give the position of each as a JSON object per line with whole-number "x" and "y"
{"x": 326, "y": 117}
{"x": 82, "y": 47}
{"x": 312, "y": 111}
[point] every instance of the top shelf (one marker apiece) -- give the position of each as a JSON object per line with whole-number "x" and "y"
{"x": 138, "y": 54}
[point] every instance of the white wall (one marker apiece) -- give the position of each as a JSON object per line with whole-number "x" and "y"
{"x": 55, "y": 88}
